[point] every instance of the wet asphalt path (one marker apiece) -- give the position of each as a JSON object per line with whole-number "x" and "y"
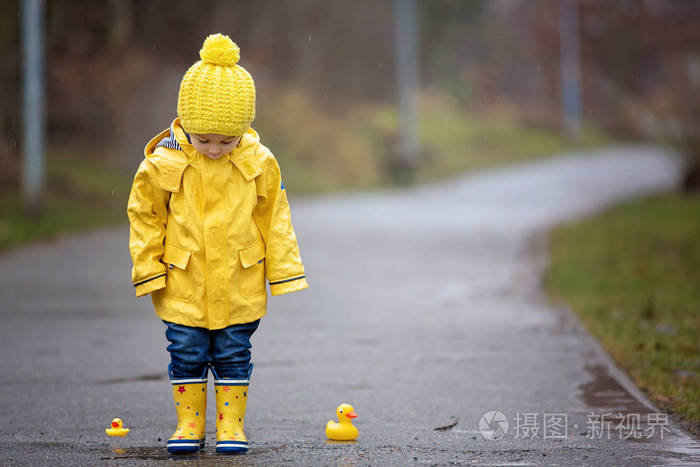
{"x": 424, "y": 305}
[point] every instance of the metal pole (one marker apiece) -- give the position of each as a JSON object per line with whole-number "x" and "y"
{"x": 406, "y": 39}
{"x": 570, "y": 68}
{"x": 33, "y": 142}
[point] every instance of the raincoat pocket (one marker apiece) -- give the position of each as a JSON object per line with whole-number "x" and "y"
{"x": 179, "y": 284}
{"x": 252, "y": 278}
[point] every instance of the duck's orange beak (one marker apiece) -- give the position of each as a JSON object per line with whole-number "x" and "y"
{"x": 351, "y": 415}
{"x": 115, "y": 424}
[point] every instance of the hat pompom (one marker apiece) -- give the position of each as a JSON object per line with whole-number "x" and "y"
{"x": 219, "y": 49}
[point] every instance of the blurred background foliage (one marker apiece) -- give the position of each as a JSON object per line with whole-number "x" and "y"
{"x": 325, "y": 74}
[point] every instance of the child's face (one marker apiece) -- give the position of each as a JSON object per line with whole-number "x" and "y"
{"x": 214, "y": 146}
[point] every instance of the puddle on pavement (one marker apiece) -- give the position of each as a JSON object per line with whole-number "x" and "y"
{"x": 159, "y": 453}
{"x": 605, "y": 393}
{"x": 626, "y": 417}
{"x": 334, "y": 441}
{"x": 134, "y": 379}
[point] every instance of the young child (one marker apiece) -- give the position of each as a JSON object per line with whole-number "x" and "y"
{"x": 209, "y": 222}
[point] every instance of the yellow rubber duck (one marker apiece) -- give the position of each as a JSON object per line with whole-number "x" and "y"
{"x": 343, "y": 430}
{"x": 117, "y": 429}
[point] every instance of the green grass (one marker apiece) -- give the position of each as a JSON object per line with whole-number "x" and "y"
{"x": 633, "y": 276}
{"x": 454, "y": 140}
{"x": 80, "y": 194}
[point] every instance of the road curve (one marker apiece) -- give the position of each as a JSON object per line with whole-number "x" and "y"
{"x": 424, "y": 308}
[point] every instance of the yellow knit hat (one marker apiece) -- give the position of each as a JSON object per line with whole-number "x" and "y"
{"x": 216, "y": 94}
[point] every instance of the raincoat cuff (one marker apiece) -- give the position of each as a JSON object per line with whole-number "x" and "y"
{"x": 147, "y": 287}
{"x": 293, "y": 285}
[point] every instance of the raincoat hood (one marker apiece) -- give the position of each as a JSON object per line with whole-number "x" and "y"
{"x": 171, "y": 152}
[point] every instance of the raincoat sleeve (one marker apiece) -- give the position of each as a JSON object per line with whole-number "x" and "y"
{"x": 283, "y": 266}
{"x": 148, "y": 214}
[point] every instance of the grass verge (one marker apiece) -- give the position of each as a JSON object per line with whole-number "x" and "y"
{"x": 80, "y": 194}
{"x": 632, "y": 274}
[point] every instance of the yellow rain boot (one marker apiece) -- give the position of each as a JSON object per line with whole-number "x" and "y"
{"x": 231, "y": 398}
{"x": 191, "y": 405}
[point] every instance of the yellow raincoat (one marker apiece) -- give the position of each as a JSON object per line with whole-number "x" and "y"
{"x": 205, "y": 233}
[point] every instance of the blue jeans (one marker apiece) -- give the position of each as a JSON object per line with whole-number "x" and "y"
{"x": 194, "y": 350}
